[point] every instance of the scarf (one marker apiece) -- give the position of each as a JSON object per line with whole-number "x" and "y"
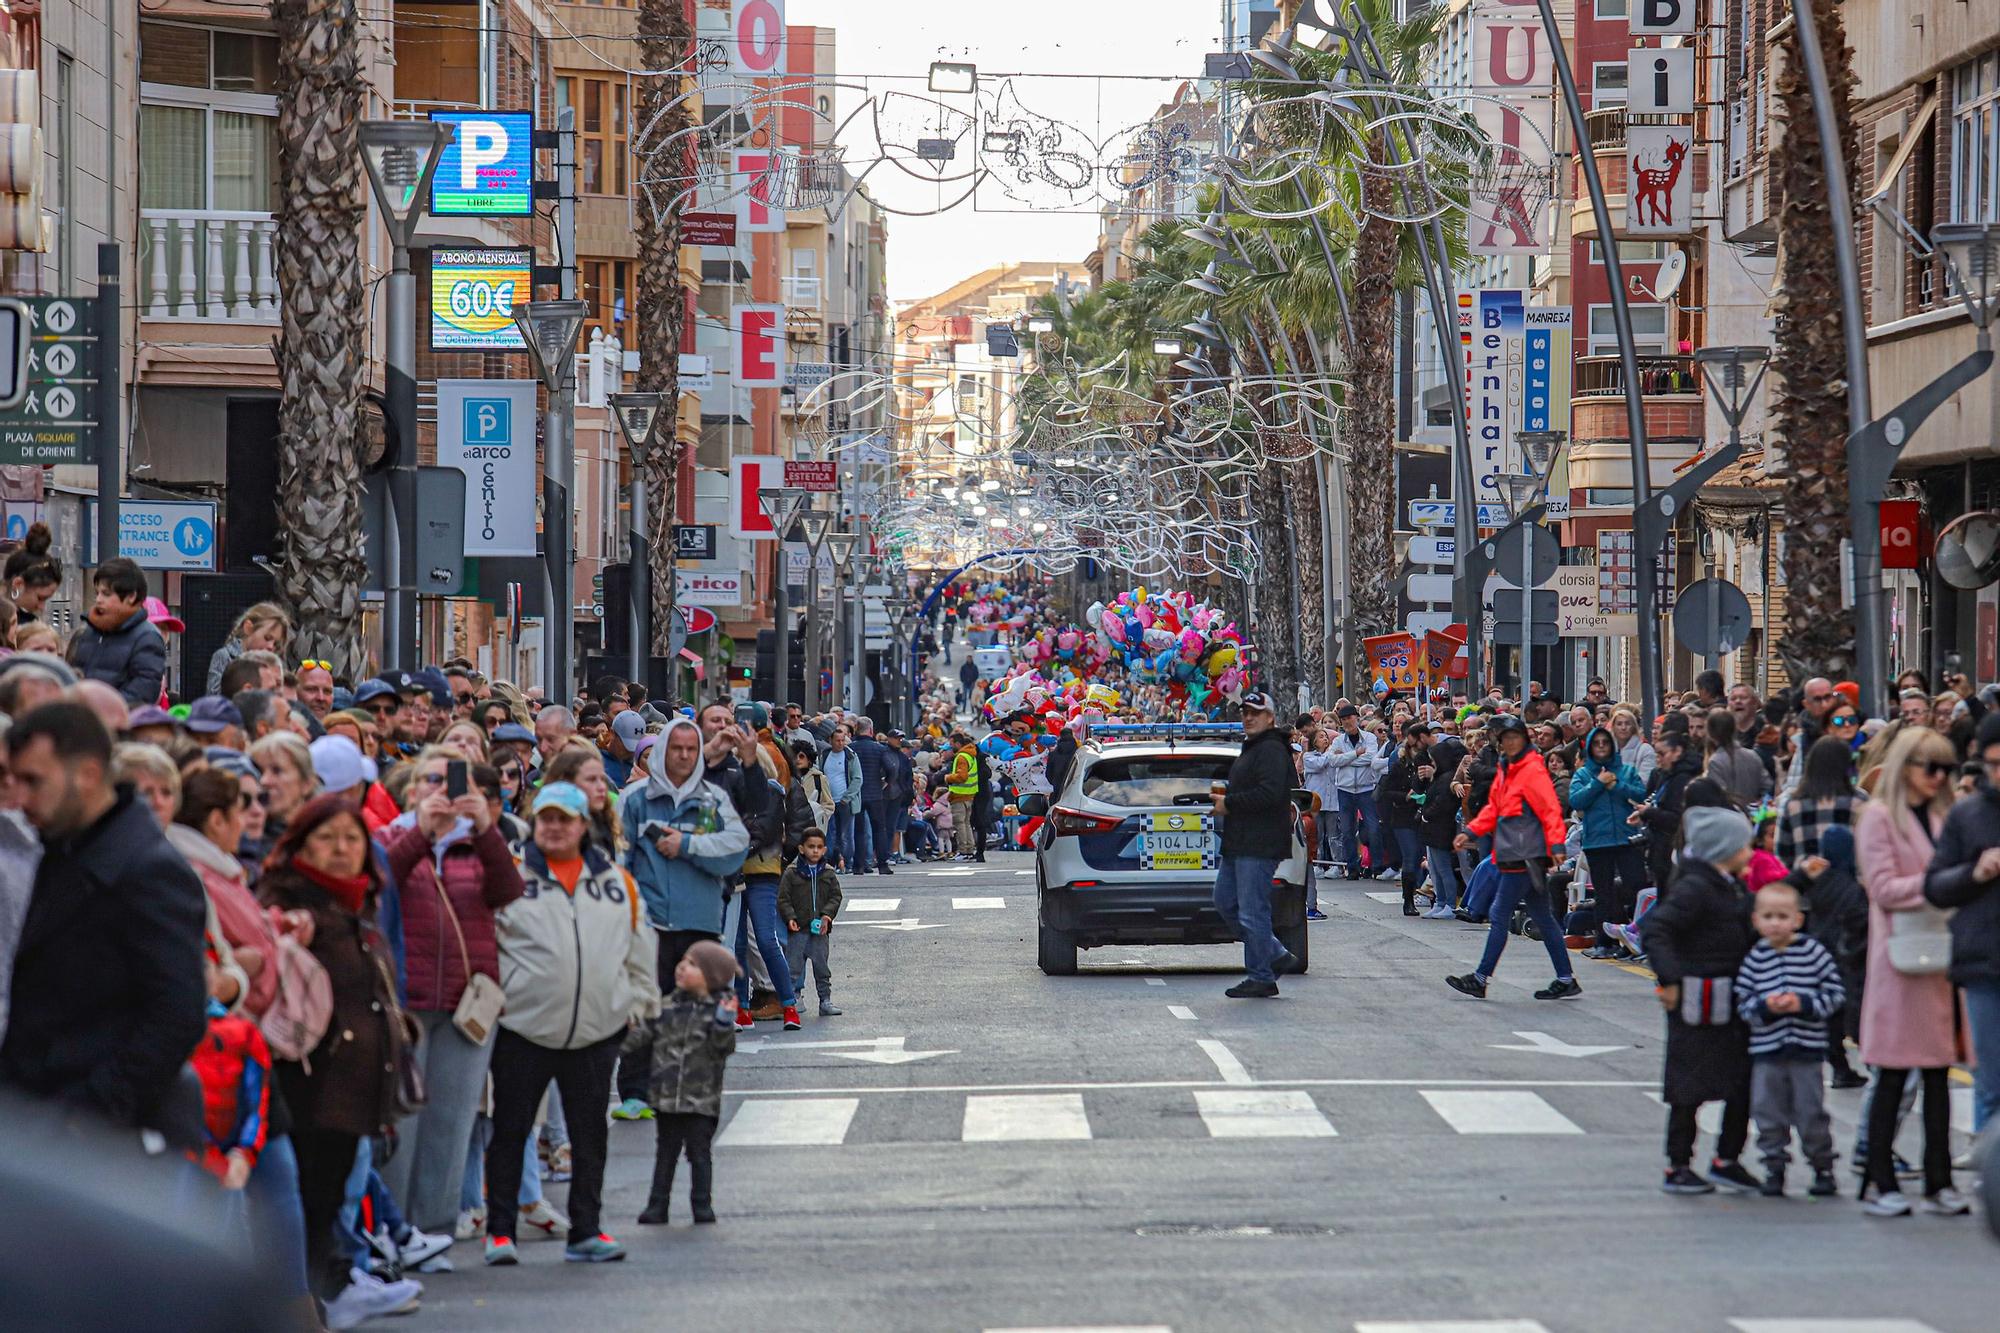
{"x": 349, "y": 891}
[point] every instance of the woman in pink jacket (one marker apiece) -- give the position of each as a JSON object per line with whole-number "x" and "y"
{"x": 1908, "y": 1021}
{"x": 454, "y": 870}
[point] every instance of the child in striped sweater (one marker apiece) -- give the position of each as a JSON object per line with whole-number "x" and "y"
{"x": 1786, "y": 990}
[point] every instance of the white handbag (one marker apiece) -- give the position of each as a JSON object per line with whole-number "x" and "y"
{"x": 1920, "y": 941}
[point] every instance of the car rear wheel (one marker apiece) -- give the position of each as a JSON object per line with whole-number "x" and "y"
{"x": 1055, "y": 950}
{"x": 1294, "y": 939}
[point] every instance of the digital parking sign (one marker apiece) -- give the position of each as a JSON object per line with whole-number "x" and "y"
{"x": 473, "y": 295}
{"x": 488, "y": 171}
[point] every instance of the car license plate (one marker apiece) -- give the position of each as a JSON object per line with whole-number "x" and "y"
{"x": 1178, "y": 841}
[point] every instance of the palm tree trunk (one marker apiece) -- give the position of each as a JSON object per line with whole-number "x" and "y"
{"x": 1809, "y": 366}
{"x": 1370, "y": 421}
{"x": 1275, "y": 620}
{"x": 1302, "y": 499}
{"x": 322, "y": 372}
{"x": 667, "y": 170}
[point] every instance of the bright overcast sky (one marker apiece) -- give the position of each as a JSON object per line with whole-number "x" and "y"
{"x": 876, "y": 37}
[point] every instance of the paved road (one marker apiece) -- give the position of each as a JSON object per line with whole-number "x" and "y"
{"x": 1128, "y": 1149}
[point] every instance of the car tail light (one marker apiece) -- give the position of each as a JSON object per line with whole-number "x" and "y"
{"x": 1075, "y": 823}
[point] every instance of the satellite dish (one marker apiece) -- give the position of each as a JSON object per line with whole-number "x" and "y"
{"x": 1673, "y": 272}
{"x": 1968, "y": 550}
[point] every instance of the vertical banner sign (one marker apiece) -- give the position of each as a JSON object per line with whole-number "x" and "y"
{"x": 1659, "y": 169}
{"x": 752, "y": 175}
{"x": 1499, "y": 327}
{"x": 759, "y": 334}
{"x": 757, "y": 38}
{"x": 486, "y": 429}
{"x": 1545, "y": 398}
{"x": 1508, "y": 202}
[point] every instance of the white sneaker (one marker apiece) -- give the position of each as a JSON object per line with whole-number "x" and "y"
{"x": 1962, "y": 1162}
{"x": 544, "y": 1219}
{"x": 471, "y": 1225}
{"x": 1947, "y": 1202}
{"x": 1440, "y": 913}
{"x": 366, "y": 1297}
{"x": 1892, "y": 1204}
{"x": 422, "y": 1247}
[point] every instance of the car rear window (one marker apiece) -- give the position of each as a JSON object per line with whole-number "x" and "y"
{"x": 1144, "y": 780}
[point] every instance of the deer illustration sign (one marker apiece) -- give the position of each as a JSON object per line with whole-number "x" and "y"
{"x": 1659, "y": 195}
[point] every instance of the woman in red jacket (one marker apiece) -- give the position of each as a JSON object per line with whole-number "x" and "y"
{"x": 1525, "y": 821}
{"x": 455, "y": 871}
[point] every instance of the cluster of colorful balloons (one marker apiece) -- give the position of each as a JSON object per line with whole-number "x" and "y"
{"x": 1172, "y": 639}
{"x": 1051, "y": 700}
{"x": 992, "y": 606}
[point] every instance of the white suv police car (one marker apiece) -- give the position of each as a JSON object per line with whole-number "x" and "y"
{"x": 1128, "y": 851}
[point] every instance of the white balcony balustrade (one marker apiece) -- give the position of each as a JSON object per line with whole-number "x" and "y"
{"x": 208, "y": 265}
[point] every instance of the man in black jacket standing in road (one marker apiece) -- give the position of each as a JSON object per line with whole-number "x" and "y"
{"x": 1256, "y": 817}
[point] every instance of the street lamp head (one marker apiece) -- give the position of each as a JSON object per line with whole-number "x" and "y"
{"x": 1520, "y": 488}
{"x": 638, "y": 417}
{"x": 401, "y": 156}
{"x": 782, "y": 505}
{"x": 1539, "y": 449}
{"x": 813, "y": 525}
{"x": 841, "y": 546}
{"x": 948, "y": 76}
{"x": 551, "y": 328}
{"x": 1972, "y": 253}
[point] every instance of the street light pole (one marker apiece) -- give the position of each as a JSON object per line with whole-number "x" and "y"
{"x": 1732, "y": 375}
{"x": 550, "y": 329}
{"x": 401, "y": 156}
{"x": 1539, "y": 449}
{"x": 638, "y": 416}
{"x": 783, "y": 505}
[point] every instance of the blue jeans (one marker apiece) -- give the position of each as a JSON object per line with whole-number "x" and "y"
{"x": 1243, "y": 897}
{"x": 278, "y": 1220}
{"x": 1982, "y": 1008}
{"x": 472, "y": 1192}
{"x": 1410, "y": 844}
{"x": 1515, "y": 887}
{"x": 840, "y": 838}
{"x": 760, "y": 913}
{"x": 1444, "y": 874}
{"x": 1357, "y": 817}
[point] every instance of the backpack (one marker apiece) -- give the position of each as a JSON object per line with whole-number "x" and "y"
{"x": 301, "y": 1011}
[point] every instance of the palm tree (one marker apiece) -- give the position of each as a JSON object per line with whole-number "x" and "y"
{"x": 1809, "y": 365}
{"x": 320, "y": 354}
{"x": 666, "y": 170}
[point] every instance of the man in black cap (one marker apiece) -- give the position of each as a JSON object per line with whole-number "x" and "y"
{"x": 1256, "y": 817}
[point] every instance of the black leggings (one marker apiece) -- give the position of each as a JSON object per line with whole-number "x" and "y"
{"x": 675, "y": 1132}
{"x": 326, "y": 1159}
{"x": 1681, "y": 1128}
{"x": 1882, "y": 1112}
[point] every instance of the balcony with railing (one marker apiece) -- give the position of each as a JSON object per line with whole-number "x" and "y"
{"x": 207, "y": 265}
{"x": 1669, "y": 395}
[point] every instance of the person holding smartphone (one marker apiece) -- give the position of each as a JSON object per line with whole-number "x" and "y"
{"x": 455, "y": 871}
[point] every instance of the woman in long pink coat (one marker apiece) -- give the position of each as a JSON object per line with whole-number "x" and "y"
{"x": 1908, "y": 1022}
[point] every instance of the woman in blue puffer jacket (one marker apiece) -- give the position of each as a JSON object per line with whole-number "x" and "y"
{"x": 1602, "y": 793}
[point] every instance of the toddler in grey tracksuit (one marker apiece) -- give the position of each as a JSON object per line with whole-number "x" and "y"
{"x": 809, "y": 899}
{"x": 1786, "y": 989}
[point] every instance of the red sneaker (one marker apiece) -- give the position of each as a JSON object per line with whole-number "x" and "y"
{"x": 792, "y": 1023}
{"x": 743, "y": 1019}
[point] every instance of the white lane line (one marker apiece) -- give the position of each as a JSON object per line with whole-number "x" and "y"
{"x": 1453, "y": 1326}
{"x": 872, "y": 904}
{"x": 1156, "y": 981}
{"x": 1830, "y": 1326}
{"x": 1194, "y": 1083}
{"x": 1226, "y": 1064}
{"x": 977, "y": 904}
{"x": 789, "y": 1124}
{"x": 1393, "y": 899}
{"x": 950, "y": 874}
{"x": 1487, "y": 1112}
{"x": 1087, "y": 1328}
{"x": 1031, "y": 1118}
{"x": 1181, "y": 1012}
{"x": 1233, "y": 1114}
{"x": 1024, "y": 872}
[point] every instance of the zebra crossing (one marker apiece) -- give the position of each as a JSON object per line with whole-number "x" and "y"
{"x": 1746, "y": 1325}
{"x": 1232, "y": 1111}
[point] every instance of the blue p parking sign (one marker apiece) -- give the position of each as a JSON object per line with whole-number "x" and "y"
{"x": 489, "y": 421}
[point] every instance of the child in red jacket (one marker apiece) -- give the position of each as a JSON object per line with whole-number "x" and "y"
{"x": 234, "y": 1066}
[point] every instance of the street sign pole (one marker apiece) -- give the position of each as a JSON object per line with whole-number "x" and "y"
{"x": 109, "y": 454}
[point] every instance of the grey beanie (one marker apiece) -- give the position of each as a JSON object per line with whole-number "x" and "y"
{"x": 1712, "y": 833}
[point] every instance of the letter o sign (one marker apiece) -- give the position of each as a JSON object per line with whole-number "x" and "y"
{"x": 759, "y": 38}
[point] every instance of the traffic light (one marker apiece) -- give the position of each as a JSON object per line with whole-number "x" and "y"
{"x": 22, "y": 224}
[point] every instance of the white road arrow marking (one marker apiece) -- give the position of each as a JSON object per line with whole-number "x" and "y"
{"x": 1541, "y": 1043}
{"x": 907, "y": 923}
{"x": 873, "y": 1050}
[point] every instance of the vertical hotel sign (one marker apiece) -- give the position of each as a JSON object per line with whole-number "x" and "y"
{"x": 1517, "y": 379}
